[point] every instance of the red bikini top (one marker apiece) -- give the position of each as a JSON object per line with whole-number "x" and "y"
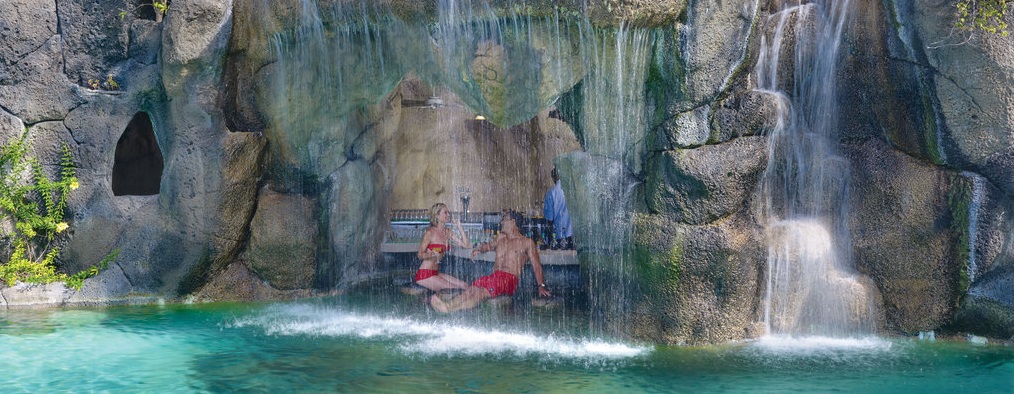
{"x": 439, "y": 248}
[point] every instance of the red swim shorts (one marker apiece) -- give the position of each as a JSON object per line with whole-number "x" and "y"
{"x": 423, "y": 274}
{"x": 498, "y": 283}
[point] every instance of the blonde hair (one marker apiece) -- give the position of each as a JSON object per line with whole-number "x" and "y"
{"x": 434, "y": 211}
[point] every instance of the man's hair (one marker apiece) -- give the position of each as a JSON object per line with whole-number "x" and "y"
{"x": 514, "y": 215}
{"x": 555, "y": 174}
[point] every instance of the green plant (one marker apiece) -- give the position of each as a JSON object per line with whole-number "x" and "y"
{"x": 161, "y": 7}
{"x": 111, "y": 83}
{"x": 108, "y": 84}
{"x": 31, "y": 215}
{"x": 985, "y": 15}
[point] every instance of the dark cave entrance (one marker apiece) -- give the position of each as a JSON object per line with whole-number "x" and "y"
{"x": 137, "y": 169}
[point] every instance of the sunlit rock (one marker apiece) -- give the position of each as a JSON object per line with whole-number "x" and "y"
{"x": 699, "y": 186}
{"x": 899, "y": 204}
{"x": 698, "y": 284}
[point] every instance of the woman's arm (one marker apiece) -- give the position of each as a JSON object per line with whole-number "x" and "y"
{"x": 424, "y": 252}
{"x": 461, "y": 237}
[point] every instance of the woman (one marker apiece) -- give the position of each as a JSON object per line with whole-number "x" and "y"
{"x": 435, "y": 243}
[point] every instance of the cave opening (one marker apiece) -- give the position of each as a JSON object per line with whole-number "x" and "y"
{"x": 137, "y": 169}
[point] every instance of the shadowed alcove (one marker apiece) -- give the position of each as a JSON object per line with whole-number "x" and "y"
{"x": 137, "y": 169}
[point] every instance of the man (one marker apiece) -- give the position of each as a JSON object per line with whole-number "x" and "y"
{"x": 555, "y": 210}
{"x": 513, "y": 250}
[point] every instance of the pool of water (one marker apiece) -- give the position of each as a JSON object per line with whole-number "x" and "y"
{"x": 337, "y": 345}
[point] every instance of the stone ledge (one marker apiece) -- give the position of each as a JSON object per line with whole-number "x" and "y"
{"x": 30, "y": 295}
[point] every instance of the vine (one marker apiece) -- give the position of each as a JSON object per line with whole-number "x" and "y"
{"x": 32, "y": 214}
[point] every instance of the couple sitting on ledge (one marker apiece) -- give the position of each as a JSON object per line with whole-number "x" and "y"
{"x": 512, "y": 249}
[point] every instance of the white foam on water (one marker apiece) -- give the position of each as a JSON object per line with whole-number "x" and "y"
{"x": 430, "y": 338}
{"x": 820, "y": 344}
{"x": 477, "y": 341}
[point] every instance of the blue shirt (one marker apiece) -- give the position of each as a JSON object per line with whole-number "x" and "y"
{"x": 555, "y": 209}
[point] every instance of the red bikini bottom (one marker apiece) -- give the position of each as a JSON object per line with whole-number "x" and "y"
{"x": 423, "y": 274}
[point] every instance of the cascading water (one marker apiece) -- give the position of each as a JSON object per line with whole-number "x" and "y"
{"x": 811, "y": 285}
{"x": 504, "y": 65}
{"x": 614, "y": 122}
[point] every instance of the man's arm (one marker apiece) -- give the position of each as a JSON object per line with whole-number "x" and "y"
{"x": 533, "y": 256}
{"x": 484, "y": 247}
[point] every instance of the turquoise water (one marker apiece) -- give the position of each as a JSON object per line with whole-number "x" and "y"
{"x": 331, "y": 345}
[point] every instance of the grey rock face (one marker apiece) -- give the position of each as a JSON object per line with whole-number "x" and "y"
{"x": 903, "y": 232}
{"x": 702, "y": 185}
{"x": 37, "y": 89}
{"x": 95, "y": 38}
{"x": 700, "y": 282}
{"x": 946, "y": 114}
{"x": 25, "y": 26}
{"x": 355, "y": 204}
{"x": 283, "y": 235}
{"x": 715, "y": 40}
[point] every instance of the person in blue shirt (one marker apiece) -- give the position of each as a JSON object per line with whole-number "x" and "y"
{"x": 555, "y": 210}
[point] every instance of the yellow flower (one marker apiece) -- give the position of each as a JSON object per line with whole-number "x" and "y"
{"x": 74, "y": 185}
{"x": 61, "y": 226}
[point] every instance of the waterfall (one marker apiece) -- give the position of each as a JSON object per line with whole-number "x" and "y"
{"x": 978, "y": 190}
{"x": 319, "y": 80}
{"x": 484, "y": 58}
{"x": 812, "y": 288}
{"x": 606, "y": 68}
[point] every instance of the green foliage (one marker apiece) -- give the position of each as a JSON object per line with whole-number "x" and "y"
{"x": 34, "y": 206}
{"x": 109, "y": 84}
{"x": 161, "y": 7}
{"x": 985, "y": 15}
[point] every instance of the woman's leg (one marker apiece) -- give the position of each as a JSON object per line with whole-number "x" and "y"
{"x": 441, "y": 282}
{"x": 454, "y": 282}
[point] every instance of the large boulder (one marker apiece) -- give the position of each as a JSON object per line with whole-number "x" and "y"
{"x": 355, "y": 205}
{"x": 699, "y": 283}
{"x": 236, "y": 282}
{"x": 907, "y": 219}
{"x": 242, "y": 170}
{"x": 702, "y": 185}
{"x": 283, "y": 240}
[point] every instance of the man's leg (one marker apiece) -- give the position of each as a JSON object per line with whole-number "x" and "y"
{"x": 469, "y": 299}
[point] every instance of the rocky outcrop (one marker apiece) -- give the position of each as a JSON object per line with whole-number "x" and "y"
{"x": 904, "y": 230}
{"x": 237, "y": 283}
{"x": 943, "y": 115}
{"x": 165, "y": 240}
{"x": 703, "y": 185}
{"x": 283, "y": 240}
{"x": 700, "y": 283}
